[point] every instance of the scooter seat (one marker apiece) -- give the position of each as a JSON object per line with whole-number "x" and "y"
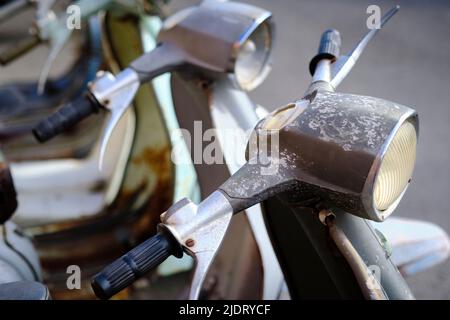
{"x": 24, "y": 290}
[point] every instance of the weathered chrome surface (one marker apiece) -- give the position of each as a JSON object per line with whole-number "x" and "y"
{"x": 332, "y": 131}
{"x": 115, "y": 94}
{"x": 239, "y": 20}
{"x": 103, "y": 213}
{"x": 200, "y": 230}
{"x": 107, "y": 85}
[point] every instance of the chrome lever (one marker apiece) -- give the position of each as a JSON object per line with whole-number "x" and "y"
{"x": 57, "y": 45}
{"x": 200, "y": 230}
{"x": 115, "y": 94}
{"x": 344, "y": 64}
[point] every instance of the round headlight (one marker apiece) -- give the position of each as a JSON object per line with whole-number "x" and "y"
{"x": 396, "y": 167}
{"x": 253, "y": 59}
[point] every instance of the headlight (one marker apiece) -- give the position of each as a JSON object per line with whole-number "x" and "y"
{"x": 396, "y": 167}
{"x": 351, "y": 152}
{"x": 220, "y": 39}
{"x": 253, "y": 62}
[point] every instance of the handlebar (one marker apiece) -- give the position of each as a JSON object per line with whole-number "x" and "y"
{"x": 66, "y": 117}
{"x": 136, "y": 263}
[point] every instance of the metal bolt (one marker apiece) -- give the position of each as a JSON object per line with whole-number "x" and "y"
{"x": 324, "y": 215}
{"x": 189, "y": 243}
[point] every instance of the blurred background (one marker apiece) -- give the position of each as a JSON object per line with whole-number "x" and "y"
{"x": 408, "y": 62}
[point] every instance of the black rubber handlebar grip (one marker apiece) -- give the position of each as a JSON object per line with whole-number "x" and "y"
{"x": 329, "y": 48}
{"x": 65, "y": 118}
{"x": 134, "y": 264}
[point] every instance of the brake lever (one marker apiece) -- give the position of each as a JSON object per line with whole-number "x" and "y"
{"x": 196, "y": 230}
{"x": 115, "y": 94}
{"x": 53, "y": 30}
{"x": 200, "y": 230}
{"x": 345, "y": 64}
{"x": 111, "y": 93}
{"x": 57, "y": 44}
{"x": 43, "y": 8}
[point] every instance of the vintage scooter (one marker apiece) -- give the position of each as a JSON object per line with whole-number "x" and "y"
{"x": 174, "y": 54}
{"x": 323, "y": 166}
{"x": 273, "y": 290}
{"x": 71, "y": 209}
{"x": 56, "y": 212}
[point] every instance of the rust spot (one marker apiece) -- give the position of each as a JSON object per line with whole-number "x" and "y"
{"x": 156, "y": 159}
{"x": 160, "y": 199}
{"x": 99, "y": 186}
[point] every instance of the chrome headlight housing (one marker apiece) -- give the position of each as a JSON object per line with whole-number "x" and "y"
{"x": 254, "y": 57}
{"x": 396, "y": 167}
{"x": 223, "y": 38}
{"x": 393, "y": 171}
{"x": 356, "y": 153}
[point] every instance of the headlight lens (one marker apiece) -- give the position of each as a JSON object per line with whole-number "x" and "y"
{"x": 253, "y": 60}
{"x": 396, "y": 168}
